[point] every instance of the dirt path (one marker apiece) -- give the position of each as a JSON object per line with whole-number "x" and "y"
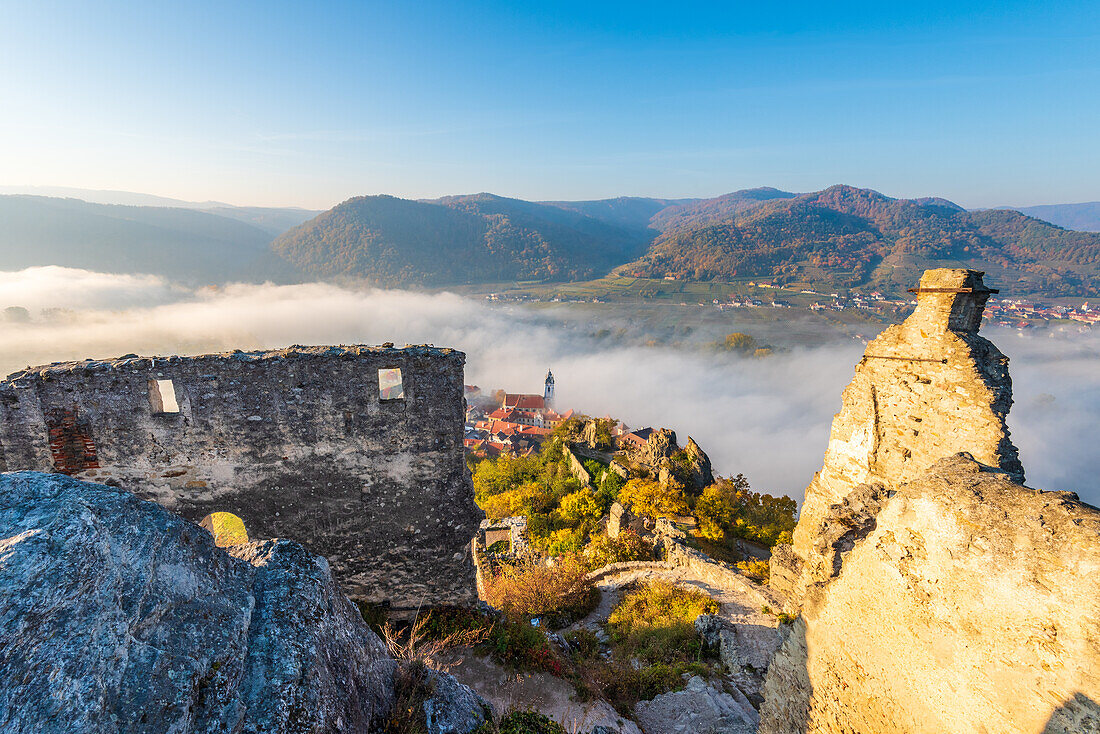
{"x": 509, "y": 691}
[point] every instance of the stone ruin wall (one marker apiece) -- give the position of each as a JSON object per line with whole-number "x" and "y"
{"x": 925, "y": 389}
{"x": 935, "y": 592}
{"x": 297, "y": 442}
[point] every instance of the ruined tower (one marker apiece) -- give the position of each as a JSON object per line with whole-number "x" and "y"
{"x": 925, "y": 389}
{"x": 933, "y": 592}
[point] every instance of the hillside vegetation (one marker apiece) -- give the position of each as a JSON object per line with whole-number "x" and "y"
{"x": 839, "y": 238}
{"x": 719, "y": 209}
{"x": 461, "y": 239}
{"x": 630, "y": 212}
{"x": 845, "y": 237}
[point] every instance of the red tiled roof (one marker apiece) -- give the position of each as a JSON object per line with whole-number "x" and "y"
{"x": 524, "y": 402}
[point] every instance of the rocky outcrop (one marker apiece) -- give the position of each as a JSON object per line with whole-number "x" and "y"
{"x": 700, "y": 707}
{"x": 959, "y": 602}
{"x": 744, "y": 649}
{"x": 619, "y": 519}
{"x": 576, "y": 467}
{"x": 935, "y": 592}
{"x": 925, "y": 389}
{"x": 660, "y": 444}
{"x": 660, "y": 451}
{"x": 117, "y": 616}
{"x": 701, "y": 472}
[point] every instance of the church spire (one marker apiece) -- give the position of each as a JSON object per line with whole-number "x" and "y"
{"x": 548, "y": 394}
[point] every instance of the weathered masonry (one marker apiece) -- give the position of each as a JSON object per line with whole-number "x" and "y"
{"x": 354, "y": 451}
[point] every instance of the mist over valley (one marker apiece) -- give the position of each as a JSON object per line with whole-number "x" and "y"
{"x": 648, "y": 365}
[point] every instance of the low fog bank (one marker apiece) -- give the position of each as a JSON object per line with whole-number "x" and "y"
{"x": 767, "y": 418}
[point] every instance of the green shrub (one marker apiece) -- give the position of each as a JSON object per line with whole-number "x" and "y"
{"x": 529, "y": 722}
{"x": 622, "y": 684}
{"x": 655, "y": 622}
{"x": 730, "y": 509}
{"x": 560, "y": 511}
{"x": 585, "y": 642}
{"x": 755, "y": 568}
{"x": 522, "y": 647}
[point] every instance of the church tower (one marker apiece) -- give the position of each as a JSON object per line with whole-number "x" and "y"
{"x": 548, "y": 394}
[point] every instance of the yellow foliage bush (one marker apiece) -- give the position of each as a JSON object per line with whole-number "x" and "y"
{"x": 529, "y": 590}
{"x": 648, "y": 498}
{"x": 656, "y": 621}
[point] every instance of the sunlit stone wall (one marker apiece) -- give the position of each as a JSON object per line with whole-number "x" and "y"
{"x": 303, "y": 443}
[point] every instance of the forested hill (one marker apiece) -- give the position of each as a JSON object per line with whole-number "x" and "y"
{"x": 719, "y": 209}
{"x": 842, "y": 237}
{"x": 181, "y": 244}
{"x": 846, "y": 237}
{"x": 458, "y": 239}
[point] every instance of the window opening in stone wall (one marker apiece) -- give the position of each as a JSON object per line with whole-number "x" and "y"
{"x": 389, "y": 384}
{"x": 162, "y": 396}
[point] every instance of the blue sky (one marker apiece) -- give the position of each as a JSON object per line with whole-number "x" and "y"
{"x": 307, "y": 104}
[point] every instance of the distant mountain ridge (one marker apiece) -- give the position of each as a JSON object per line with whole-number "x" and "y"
{"x": 718, "y": 209}
{"x": 841, "y": 237}
{"x": 1084, "y": 217}
{"x": 630, "y": 212}
{"x": 845, "y": 237}
{"x": 180, "y": 244}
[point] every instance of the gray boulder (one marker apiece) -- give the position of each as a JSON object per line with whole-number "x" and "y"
{"x": 452, "y": 707}
{"x": 117, "y": 616}
{"x": 745, "y": 649}
{"x": 701, "y": 708}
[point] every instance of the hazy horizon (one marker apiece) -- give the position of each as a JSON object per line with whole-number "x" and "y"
{"x": 145, "y": 198}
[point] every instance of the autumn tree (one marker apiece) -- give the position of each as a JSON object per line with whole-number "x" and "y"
{"x": 649, "y": 498}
